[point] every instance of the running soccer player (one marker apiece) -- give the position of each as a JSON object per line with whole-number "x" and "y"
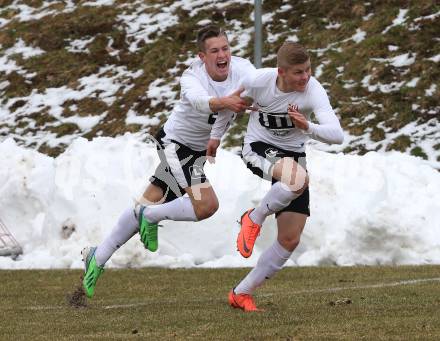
{"x": 208, "y": 87}
{"x": 274, "y": 149}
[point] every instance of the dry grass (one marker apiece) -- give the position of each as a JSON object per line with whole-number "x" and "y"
{"x": 359, "y": 303}
{"x": 307, "y": 20}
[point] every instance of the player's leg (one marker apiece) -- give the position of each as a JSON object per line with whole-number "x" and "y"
{"x": 290, "y": 227}
{"x": 292, "y": 181}
{"x": 153, "y": 194}
{"x": 126, "y": 227}
{"x": 162, "y": 193}
{"x": 203, "y": 199}
{"x": 95, "y": 257}
{"x": 186, "y": 169}
{"x": 201, "y": 203}
{"x": 273, "y": 164}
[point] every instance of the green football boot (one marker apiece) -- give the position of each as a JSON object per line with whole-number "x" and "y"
{"x": 148, "y": 232}
{"x": 92, "y": 271}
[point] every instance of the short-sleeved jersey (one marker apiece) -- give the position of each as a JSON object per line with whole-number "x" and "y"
{"x": 271, "y": 123}
{"x": 191, "y": 120}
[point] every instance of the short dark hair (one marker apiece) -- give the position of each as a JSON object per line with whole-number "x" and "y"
{"x": 291, "y": 53}
{"x": 210, "y": 31}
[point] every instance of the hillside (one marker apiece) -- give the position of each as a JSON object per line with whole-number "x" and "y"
{"x": 102, "y": 68}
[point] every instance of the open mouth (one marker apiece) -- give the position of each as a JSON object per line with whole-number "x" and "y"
{"x": 222, "y": 65}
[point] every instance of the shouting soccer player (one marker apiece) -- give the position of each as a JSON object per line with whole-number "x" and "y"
{"x": 179, "y": 189}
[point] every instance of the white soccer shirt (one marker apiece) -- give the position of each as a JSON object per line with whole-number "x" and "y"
{"x": 191, "y": 120}
{"x": 272, "y": 125}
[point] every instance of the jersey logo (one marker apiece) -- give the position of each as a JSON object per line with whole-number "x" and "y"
{"x": 196, "y": 171}
{"x": 274, "y": 121}
{"x": 280, "y": 132}
{"x": 245, "y": 247}
{"x": 271, "y": 152}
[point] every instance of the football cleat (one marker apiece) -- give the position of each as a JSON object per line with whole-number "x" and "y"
{"x": 92, "y": 270}
{"x": 242, "y": 301}
{"x": 248, "y": 234}
{"x": 148, "y": 232}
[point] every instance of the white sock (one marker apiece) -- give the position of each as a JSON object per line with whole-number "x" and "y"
{"x": 278, "y": 197}
{"x": 126, "y": 227}
{"x": 180, "y": 209}
{"x": 269, "y": 263}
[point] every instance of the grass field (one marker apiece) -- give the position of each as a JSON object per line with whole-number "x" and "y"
{"x": 332, "y": 303}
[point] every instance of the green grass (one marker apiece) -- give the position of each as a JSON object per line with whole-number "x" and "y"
{"x": 331, "y": 303}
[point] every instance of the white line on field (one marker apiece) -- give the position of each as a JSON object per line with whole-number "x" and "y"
{"x": 117, "y": 306}
{"x": 370, "y": 286}
{"x": 305, "y": 291}
{"x": 311, "y": 291}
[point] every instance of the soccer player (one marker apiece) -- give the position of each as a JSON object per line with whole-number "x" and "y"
{"x": 274, "y": 149}
{"x": 208, "y": 87}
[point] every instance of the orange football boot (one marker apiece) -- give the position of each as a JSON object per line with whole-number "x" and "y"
{"x": 242, "y": 301}
{"x": 248, "y": 234}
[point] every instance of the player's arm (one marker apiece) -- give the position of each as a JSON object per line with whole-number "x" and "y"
{"x": 211, "y": 149}
{"x": 237, "y": 101}
{"x": 219, "y": 128}
{"x": 328, "y": 129}
{"x": 221, "y": 125}
{"x": 234, "y": 102}
{"x": 225, "y": 117}
{"x": 196, "y": 92}
{"x": 193, "y": 89}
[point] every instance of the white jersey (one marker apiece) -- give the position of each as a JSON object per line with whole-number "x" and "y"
{"x": 191, "y": 120}
{"x": 271, "y": 123}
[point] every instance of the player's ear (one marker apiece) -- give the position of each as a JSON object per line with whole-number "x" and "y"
{"x": 201, "y": 56}
{"x": 281, "y": 71}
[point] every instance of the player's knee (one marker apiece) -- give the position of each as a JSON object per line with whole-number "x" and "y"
{"x": 289, "y": 242}
{"x": 152, "y": 195}
{"x": 207, "y": 209}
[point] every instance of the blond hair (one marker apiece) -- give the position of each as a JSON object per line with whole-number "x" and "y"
{"x": 291, "y": 53}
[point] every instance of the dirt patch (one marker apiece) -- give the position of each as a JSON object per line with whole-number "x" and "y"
{"x": 77, "y": 299}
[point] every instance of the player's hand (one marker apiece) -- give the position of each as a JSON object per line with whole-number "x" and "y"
{"x": 236, "y": 103}
{"x": 211, "y": 150}
{"x": 297, "y": 118}
{"x": 249, "y": 101}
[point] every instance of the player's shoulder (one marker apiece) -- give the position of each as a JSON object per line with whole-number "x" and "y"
{"x": 314, "y": 85}
{"x": 262, "y": 77}
{"x": 267, "y": 72}
{"x": 195, "y": 66}
{"x": 195, "y": 70}
{"x": 315, "y": 92}
{"x": 241, "y": 66}
{"x": 313, "y": 81}
{"x": 240, "y": 61}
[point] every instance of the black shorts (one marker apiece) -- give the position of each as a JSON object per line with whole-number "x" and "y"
{"x": 179, "y": 167}
{"x": 260, "y": 158}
